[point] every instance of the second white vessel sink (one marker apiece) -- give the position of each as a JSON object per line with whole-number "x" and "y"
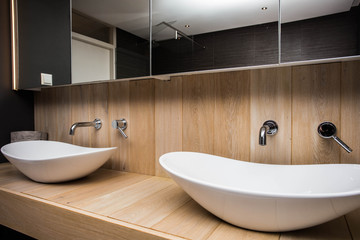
{"x": 265, "y": 197}
{"x": 51, "y": 161}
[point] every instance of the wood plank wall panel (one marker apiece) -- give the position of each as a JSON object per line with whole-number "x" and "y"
{"x": 168, "y": 119}
{"x": 350, "y": 110}
{"x": 99, "y": 109}
{"x": 316, "y": 99}
{"x": 219, "y": 113}
{"x": 39, "y": 115}
{"x": 198, "y": 113}
{"x": 232, "y": 115}
{"x": 63, "y": 114}
{"x": 119, "y": 107}
{"x": 80, "y": 112}
{"x": 270, "y": 100}
{"x": 142, "y": 127}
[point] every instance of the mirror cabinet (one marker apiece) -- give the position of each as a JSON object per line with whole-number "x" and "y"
{"x": 78, "y": 41}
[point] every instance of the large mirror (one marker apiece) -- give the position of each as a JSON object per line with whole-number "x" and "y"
{"x": 319, "y": 29}
{"x": 197, "y": 35}
{"x": 110, "y": 39}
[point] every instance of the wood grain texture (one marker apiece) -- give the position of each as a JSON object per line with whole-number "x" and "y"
{"x": 95, "y": 186}
{"x": 190, "y": 221}
{"x": 142, "y": 127}
{"x": 168, "y": 119}
{"x": 80, "y": 112}
{"x": 270, "y": 100}
{"x": 232, "y": 115}
{"x": 227, "y": 231}
{"x": 60, "y": 190}
{"x": 54, "y": 221}
{"x": 109, "y": 203}
{"x": 198, "y": 113}
{"x": 316, "y": 99}
{"x": 119, "y": 107}
{"x": 154, "y": 208}
{"x": 335, "y": 229}
{"x": 133, "y": 202}
{"x": 39, "y": 116}
{"x": 99, "y": 109}
{"x": 63, "y": 114}
{"x": 217, "y": 113}
{"x": 350, "y": 110}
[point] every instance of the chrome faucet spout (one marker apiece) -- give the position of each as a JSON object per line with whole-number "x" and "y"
{"x": 262, "y": 136}
{"x": 96, "y": 124}
{"x": 268, "y": 128}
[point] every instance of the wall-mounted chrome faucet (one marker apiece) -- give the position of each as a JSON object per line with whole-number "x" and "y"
{"x": 269, "y": 127}
{"x": 96, "y": 124}
{"x": 121, "y": 125}
{"x": 328, "y": 130}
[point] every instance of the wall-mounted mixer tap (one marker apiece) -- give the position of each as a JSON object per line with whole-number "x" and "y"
{"x": 96, "y": 124}
{"x": 121, "y": 125}
{"x": 328, "y": 130}
{"x": 269, "y": 127}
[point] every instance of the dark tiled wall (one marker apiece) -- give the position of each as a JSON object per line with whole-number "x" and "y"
{"x": 132, "y": 55}
{"x": 323, "y": 37}
{"x": 254, "y": 45}
{"x": 335, "y": 35}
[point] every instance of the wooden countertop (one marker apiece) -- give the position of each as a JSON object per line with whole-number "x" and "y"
{"x": 117, "y": 205}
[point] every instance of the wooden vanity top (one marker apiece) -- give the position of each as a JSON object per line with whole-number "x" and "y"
{"x": 117, "y": 205}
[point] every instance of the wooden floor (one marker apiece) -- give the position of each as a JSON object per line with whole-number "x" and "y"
{"x": 117, "y": 205}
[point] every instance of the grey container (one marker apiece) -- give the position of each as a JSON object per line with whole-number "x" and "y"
{"x": 28, "y": 136}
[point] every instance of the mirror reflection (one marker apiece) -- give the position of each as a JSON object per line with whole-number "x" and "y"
{"x": 331, "y": 29}
{"x": 200, "y": 35}
{"x": 110, "y": 39}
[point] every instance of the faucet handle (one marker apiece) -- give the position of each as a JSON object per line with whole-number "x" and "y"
{"x": 272, "y": 127}
{"x": 328, "y": 130}
{"x": 121, "y": 125}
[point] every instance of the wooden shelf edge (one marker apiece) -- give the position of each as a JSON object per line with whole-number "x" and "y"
{"x": 43, "y": 219}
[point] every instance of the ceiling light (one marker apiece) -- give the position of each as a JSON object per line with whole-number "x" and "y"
{"x": 187, "y": 25}
{"x": 264, "y": 8}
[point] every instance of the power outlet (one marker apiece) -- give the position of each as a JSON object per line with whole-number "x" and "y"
{"x": 46, "y": 79}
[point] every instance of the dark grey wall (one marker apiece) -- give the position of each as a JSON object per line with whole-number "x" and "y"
{"x": 247, "y": 46}
{"x": 330, "y": 36}
{"x": 132, "y": 55}
{"x": 44, "y": 41}
{"x": 17, "y": 108}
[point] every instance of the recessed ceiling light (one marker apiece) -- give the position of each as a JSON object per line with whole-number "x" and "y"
{"x": 187, "y": 25}
{"x": 264, "y": 8}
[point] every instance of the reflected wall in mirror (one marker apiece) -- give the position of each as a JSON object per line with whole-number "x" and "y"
{"x": 200, "y": 35}
{"x": 331, "y": 29}
{"x": 110, "y": 39}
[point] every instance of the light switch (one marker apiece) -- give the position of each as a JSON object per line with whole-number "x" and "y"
{"x": 46, "y": 79}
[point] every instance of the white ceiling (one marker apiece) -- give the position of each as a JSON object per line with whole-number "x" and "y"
{"x": 203, "y": 15}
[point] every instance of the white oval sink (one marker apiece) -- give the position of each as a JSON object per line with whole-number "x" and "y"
{"x": 51, "y": 161}
{"x": 266, "y": 197}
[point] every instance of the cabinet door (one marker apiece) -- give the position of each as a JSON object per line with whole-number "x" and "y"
{"x": 44, "y": 42}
